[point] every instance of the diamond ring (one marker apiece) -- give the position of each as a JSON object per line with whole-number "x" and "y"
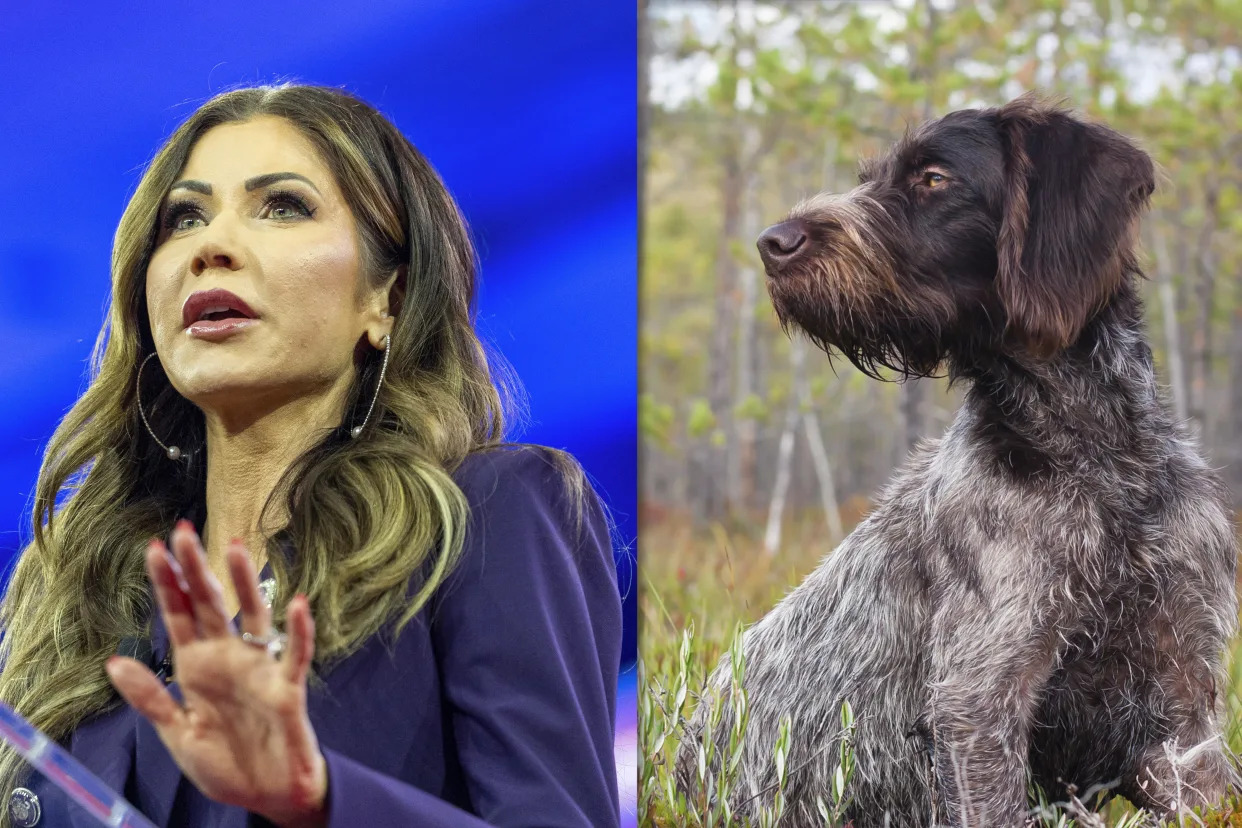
{"x": 274, "y": 642}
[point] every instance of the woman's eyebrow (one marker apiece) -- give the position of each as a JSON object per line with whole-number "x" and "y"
{"x": 190, "y": 184}
{"x": 250, "y": 183}
{"x": 272, "y": 178}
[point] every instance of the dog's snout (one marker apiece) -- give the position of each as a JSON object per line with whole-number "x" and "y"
{"x": 781, "y": 242}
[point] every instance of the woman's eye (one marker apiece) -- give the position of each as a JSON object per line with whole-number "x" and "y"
{"x": 182, "y": 217}
{"x": 287, "y": 206}
{"x": 186, "y": 215}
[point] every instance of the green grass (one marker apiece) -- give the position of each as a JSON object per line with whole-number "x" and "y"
{"x": 699, "y": 590}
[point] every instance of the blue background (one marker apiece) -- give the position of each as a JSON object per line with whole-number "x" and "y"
{"x": 527, "y": 109}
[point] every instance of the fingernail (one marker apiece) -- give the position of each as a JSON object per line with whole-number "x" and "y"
{"x": 185, "y": 524}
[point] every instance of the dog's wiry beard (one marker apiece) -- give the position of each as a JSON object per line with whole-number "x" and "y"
{"x": 847, "y": 294}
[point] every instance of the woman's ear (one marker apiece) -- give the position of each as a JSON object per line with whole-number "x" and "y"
{"x": 391, "y": 298}
{"x": 376, "y": 333}
{"x": 1074, "y": 194}
{"x": 396, "y": 290}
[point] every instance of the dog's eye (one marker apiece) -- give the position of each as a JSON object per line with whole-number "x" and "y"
{"x": 934, "y": 179}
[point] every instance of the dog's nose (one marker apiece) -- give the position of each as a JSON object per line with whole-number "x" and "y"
{"x": 781, "y": 242}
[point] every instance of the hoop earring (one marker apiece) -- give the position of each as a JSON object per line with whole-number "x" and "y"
{"x": 173, "y": 452}
{"x": 356, "y": 430}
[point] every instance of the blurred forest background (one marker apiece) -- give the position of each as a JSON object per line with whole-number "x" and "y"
{"x": 756, "y": 453}
{"x": 753, "y": 106}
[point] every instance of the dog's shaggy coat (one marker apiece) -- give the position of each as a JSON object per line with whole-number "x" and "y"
{"x": 1046, "y": 591}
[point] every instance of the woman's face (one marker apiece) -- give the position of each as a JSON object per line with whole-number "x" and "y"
{"x": 256, "y": 212}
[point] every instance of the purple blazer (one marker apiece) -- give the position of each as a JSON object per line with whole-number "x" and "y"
{"x": 495, "y": 707}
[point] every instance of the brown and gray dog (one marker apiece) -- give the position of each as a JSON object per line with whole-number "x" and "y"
{"x": 1047, "y": 591}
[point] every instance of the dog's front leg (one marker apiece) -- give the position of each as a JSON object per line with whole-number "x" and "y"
{"x": 992, "y": 653}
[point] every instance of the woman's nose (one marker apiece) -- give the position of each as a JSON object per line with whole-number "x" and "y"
{"x": 217, "y": 248}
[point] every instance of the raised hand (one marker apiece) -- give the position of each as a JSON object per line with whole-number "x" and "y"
{"x": 242, "y": 733}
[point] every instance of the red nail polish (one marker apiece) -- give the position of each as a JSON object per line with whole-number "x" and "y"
{"x": 186, "y": 524}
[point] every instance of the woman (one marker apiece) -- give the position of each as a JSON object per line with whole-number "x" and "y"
{"x": 290, "y": 368}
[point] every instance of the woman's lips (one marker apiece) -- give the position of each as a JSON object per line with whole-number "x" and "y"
{"x": 215, "y": 330}
{"x": 201, "y": 302}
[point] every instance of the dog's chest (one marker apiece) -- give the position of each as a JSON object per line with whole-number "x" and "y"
{"x": 1108, "y": 538}
{"x": 1154, "y": 596}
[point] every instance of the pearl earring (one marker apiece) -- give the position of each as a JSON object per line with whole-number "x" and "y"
{"x": 356, "y": 430}
{"x": 173, "y": 452}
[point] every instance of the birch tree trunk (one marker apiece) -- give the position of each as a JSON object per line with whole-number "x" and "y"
{"x": 1201, "y": 336}
{"x": 742, "y": 458}
{"x": 1164, "y": 265}
{"x": 720, "y": 357}
{"x": 784, "y": 452}
{"x": 1232, "y": 457}
{"x": 819, "y": 461}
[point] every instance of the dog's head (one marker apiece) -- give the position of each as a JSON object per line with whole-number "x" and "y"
{"x": 1003, "y": 228}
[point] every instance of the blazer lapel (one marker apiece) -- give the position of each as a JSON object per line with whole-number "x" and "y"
{"x": 157, "y": 774}
{"x": 105, "y": 745}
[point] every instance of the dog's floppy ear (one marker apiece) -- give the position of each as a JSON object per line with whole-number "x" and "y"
{"x": 1073, "y": 195}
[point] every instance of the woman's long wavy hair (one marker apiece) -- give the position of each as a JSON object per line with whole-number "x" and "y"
{"x": 367, "y": 517}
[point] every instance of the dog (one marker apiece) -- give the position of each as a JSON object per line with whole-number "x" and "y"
{"x": 1045, "y": 593}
